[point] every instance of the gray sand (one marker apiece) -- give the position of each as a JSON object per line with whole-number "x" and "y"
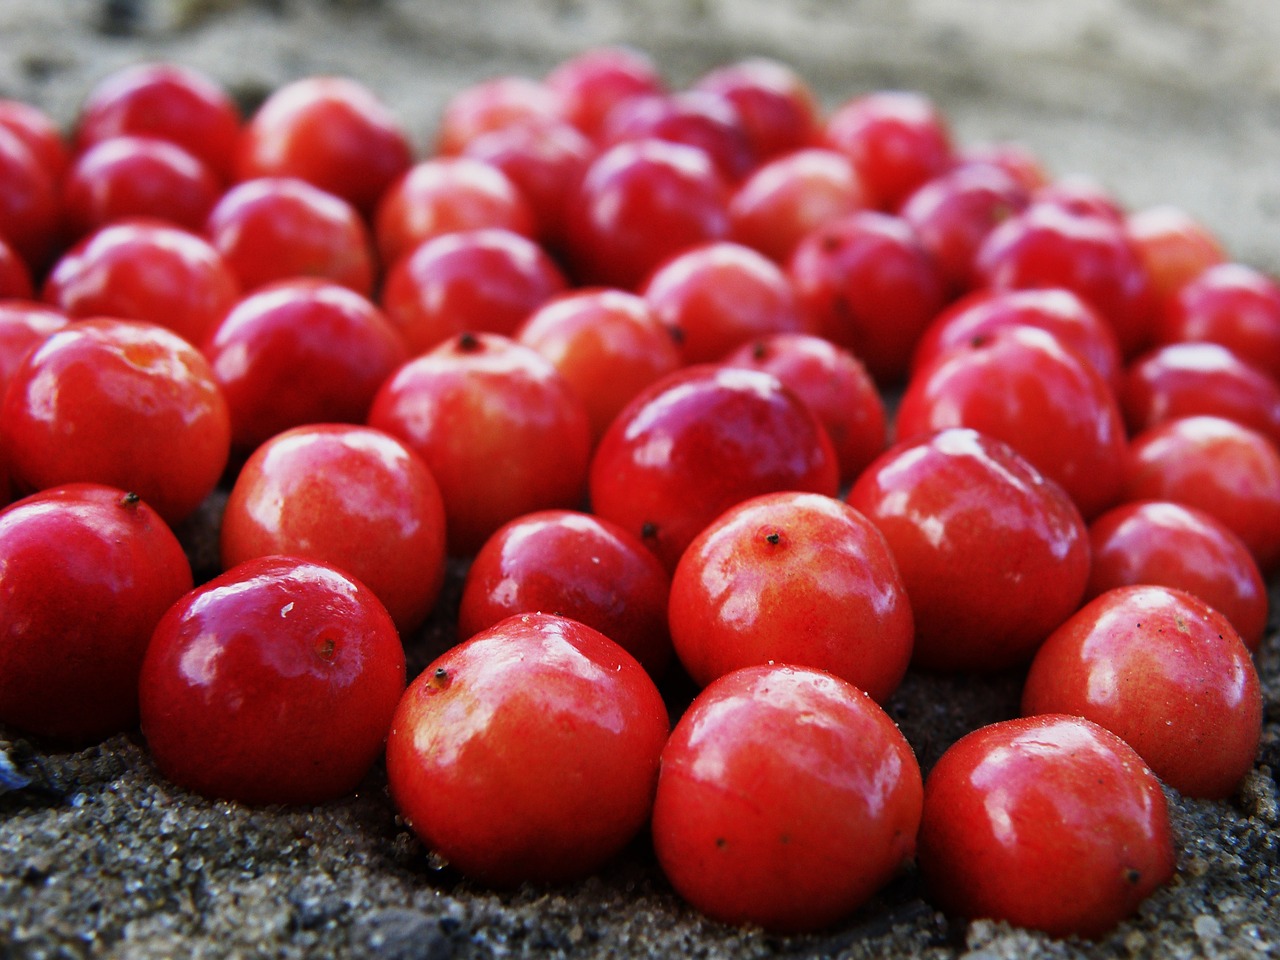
{"x": 1160, "y": 100}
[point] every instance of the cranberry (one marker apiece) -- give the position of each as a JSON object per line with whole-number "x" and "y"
{"x": 787, "y": 798}
{"x": 574, "y": 565}
{"x": 88, "y": 572}
{"x": 500, "y": 430}
{"x": 796, "y": 578}
{"x": 168, "y": 102}
{"x": 791, "y": 196}
{"x": 1174, "y": 247}
{"x": 131, "y": 176}
{"x": 332, "y": 132}
{"x": 1048, "y": 822}
{"x": 298, "y": 352}
{"x": 41, "y": 135}
{"x": 30, "y": 210}
{"x": 717, "y": 296}
{"x": 868, "y": 284}
{"x": 775, "y": 107}
{"x": 273, "y": 683}
{"x": 1021, "y": 385}
{"x": 595, "y": 81}
{"x": 640, "y": 203}
{"x": 1164, "y": 671}
{"x": 698, "y": 441}
{"x": 494, "y": 104}
{"x": 477, "y": 280}
{"x": 1173, "y": 545}
{"x": 23, "y": 326}
{"x": 897, "y": 140}
{"x": 607, "y": 344}
{"x": 993, "y": 555}
{"x": 447, "y": 195}
{"x": 693, "y": 117}
{"x": 529, "y": 752}
{"x": 349, "y": 496}
{"x": 282, "y": 228}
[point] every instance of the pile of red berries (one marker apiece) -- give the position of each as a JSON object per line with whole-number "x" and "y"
{"x": 682, "y": 309}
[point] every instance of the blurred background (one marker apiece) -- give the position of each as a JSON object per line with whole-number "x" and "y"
{"x": 1162, "y": 101}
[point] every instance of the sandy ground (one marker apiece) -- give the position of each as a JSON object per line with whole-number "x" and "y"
{"x": 1161, "y": 100}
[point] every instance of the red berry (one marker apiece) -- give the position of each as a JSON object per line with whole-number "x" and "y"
{"x": 1049, "y": 822}
{"x": 273, "y": 683}
{"x": 787, "y": 798}
{"x": 529, "y": 752}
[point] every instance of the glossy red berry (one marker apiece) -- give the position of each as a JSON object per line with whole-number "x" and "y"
{"x": 349, "y": 496}
{"x": 593, "y": 82}
{"x": 86, "y": 572}
{"x": 118, "y": 402}
{"x": 692, "y": 117}
{"x": 1049, "y": 822}
{"x": 24, "y": 325}
{"x": 787, "y": 798}
{"x": 776, "y": 109}
{"x": 1174, "y": 247}
{"x": 165, "y": 101}
{"x": 698, "y": 441}
{"x": 500, "y": 430}
{"x": 36, "y": 129}
{"x": 494, "y": 104}
{"x": 867, "y": 284}
{"x": 299, "y": 352}
{"x": 717, "y": 296}
{"x": 1021, "y": 385}
{"x": 273, "y": 683}
{"x": 529, "y": 752}
{"x": 797, "y": 578}
{"x": 283, "y": 228}
{"x": 993, "y": 555}
{"x": 833, "y": 383}
{"x": 1164, "y": 671}
{"x": 1173, "y": 545}
{"x": 333, "y": 132}
{"x": 30, "y": 208}
{"x": 478, "y": 280}
{"x": 145, "y": 270}
{"x": 573, "y": 565}
{"x": 640, "y": 203}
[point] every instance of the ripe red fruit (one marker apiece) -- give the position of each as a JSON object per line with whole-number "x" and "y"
{"x": 1164, "y": 671}
{"x": 775, "y": 107}
{"x": 36, "y": 129}
{"x": 797, "y": 578}
{"x": 717, "y": 296}
{"x": 447, "y": 195}
{"x": 1231, "y": 304}
{"x": 122, "y": 403}
{"x": 691, "y": 117}
{"x": 529, "y": 752}
{"x": 867, "y": 284}
{"x": 498, "y": 427}
{"x": 86, "y": 571}
{"x": 332, "y": 132}
{"x": 132, "y": 176}
{"x": 699, "y": 441}
{"x": 281, "y": 228}
{"x": 897, "y": 140}
{"x": 1174, "y": 247}
{"x": 953, "y": 213}
{"x": 1172, "y": 545}
{"x": 786, "y": 799}
{"x": 273, "y": 683}
{"x": 573, "y": 565}
{"x": 23, "y": 326}
{"x": 29, "y": 204}
{"x": 792, "y": 195}
{"x": 145, "y": 270}
{"x": 1021, "y": 385}
{"x": 165, "y": 101}
{"x": 15, "y": 275}
{"x": 592, "y": 83}
{"x": 1058, "y": 311}
{"x": 993, "y": 555}
{"x": 1187, "y": 379}
{"x": 494, "y": 104}
{"x": 607, "y": 344}
{"x": 1219, "y": 466}
{"x": 1047, "y": 822}
{"x": 349, "y": 496}
{"x": 832, "y": 383}
{"x": 477, "y": 280}
{"x": 640, "y": 203}
{"x": 297, "y": 352}
{"x": 1048, "y": 245}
